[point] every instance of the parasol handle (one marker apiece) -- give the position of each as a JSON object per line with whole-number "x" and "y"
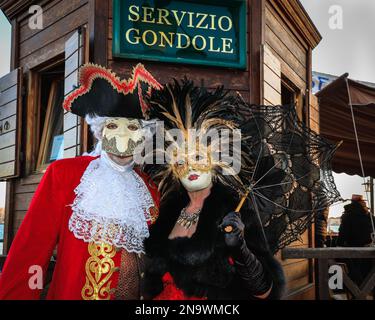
{"x": 229, "y": 229}
{"x": 338, "y": 144}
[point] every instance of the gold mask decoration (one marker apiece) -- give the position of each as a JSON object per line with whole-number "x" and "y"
{"x": 197, "y": 124}
{"x": 194, "y": 170}
{"x": 121, "y": 136}
{"x": 200, "y": 160}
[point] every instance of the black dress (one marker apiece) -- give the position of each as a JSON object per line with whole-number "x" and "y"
{"x": 201, "y": 265}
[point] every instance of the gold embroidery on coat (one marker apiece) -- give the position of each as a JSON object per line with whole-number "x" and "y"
{"x": 99, "y": 269}
{"x": 154, "y": 212}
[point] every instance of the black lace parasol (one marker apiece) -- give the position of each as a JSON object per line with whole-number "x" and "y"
{"x": 292, "y": 178}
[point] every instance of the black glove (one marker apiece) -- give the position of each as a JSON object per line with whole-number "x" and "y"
{"x": 247, "y": 265}
{"x": 235, "y": 238}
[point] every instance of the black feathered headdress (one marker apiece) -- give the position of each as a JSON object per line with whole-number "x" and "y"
{"x": 183, "y": 106}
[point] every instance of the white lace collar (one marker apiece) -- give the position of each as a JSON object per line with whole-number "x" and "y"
{"x": 112, "y": 205}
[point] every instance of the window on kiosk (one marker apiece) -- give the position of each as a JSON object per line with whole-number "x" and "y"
{"x": 291, "y": 95}
{"x": 51, "y": 116}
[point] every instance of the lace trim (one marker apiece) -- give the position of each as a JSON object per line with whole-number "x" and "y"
{"x": 111, "y": 207}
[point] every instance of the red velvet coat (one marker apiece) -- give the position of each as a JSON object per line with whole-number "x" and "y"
{"x": 45, "y": 226}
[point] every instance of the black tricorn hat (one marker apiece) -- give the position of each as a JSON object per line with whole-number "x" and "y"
{"x": 103, "y": 94}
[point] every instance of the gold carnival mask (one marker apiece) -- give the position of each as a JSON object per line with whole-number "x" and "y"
{"x": 193, "y": 169}
{"x": 121, "y": 136}
{"x": 200, "y": 161}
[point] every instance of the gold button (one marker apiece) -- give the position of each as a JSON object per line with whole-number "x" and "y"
{"x": 142, "y": 275}
{"x": 142, "y": 297}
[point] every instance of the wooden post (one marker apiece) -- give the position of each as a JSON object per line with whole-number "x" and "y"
{"x": 98, "y": 31}
{"x": 372, "y": 195}
{"x": 9, "y": 221}
{"x": 323, "y": 279}
{"x": 308, "y": 90}
{"x": 256, "y": 34}
{"x": 368, "y": 284}
{"x": 14, "y": 63}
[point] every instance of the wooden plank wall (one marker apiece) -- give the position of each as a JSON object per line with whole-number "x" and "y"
{"x": 271, "y": 78}
{"x": 10, "y": 96}
{"x": 314, "y": 113}
{"x": 61, "y": 19}
{"x": 284, "y": 55}
{"x": 24, "y": 190}
{"x": 286, "y": 47}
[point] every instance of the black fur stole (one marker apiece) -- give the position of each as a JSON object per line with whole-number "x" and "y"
{"x": 200, "y": 266}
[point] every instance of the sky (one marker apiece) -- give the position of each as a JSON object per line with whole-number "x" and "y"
{"x": 350, "y": 48}
{"x": 5, "y": 36}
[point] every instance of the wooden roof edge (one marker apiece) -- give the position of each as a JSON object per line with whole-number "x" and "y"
{"x": 13, "y": 8}
{"x": 300, "y": 20}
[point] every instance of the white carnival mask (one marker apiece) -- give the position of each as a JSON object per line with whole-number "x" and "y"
{"x": 196, "y": 180}
{"x": 121, "y": 136}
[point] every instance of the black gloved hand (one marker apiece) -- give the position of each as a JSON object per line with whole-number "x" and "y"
{"x": 235, "y": 238}
{"x": 248, "y": 266}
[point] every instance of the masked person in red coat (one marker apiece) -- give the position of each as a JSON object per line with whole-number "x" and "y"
{"x": 95, "y": 210}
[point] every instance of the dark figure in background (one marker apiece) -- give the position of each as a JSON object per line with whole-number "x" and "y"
{"x": 355, "y": 231}
{"x": 321, "y": 228}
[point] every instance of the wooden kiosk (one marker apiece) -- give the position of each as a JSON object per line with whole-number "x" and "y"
{"x": 272, "y": 41}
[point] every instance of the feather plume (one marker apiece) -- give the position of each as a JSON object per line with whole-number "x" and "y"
{"x": 181, "y": 105}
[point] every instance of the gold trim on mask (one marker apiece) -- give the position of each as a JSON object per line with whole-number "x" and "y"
{"x": 110, "y": 146}
{"x": 123, "y": 134}
{"x": 99, "y": 270}
{"x": 200, "y": 161}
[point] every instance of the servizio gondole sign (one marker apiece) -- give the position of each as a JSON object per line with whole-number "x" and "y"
{"x": 202, "y": 32}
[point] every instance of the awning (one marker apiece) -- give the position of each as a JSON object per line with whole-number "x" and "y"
{"x": 336, "y": 124}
